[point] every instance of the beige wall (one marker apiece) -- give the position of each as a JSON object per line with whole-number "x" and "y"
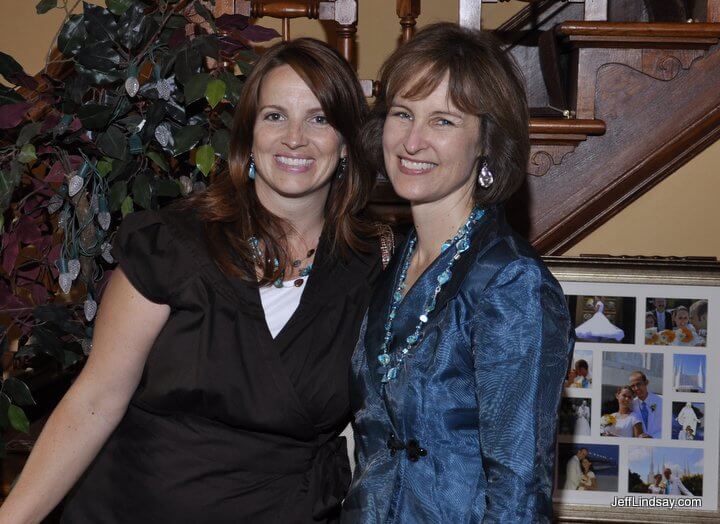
{"x": 677, "y": 217}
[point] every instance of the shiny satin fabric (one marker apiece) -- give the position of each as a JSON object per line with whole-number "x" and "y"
{"x": 479, "y": 393}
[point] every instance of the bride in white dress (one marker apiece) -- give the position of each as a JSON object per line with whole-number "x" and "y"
{"x": 582, "y": 419}
{"x": 598, "y": 327}
{"x": 625, "y": 422}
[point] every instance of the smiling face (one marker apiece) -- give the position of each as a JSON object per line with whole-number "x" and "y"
{"x": 639, "y": 385}
{"x": 431, "y": 149}
{"x": 624, "y": 398}
{"x": 682, "y": 318}
{"x": 296, "y": 150}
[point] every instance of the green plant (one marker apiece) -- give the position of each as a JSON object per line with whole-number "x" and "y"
{"x": 132, "y": 112}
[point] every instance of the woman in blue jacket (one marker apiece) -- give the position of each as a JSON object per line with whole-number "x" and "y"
{"x": 459, "y": 369}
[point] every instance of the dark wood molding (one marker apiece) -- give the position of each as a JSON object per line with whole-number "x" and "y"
{"x": 639, "y": 35}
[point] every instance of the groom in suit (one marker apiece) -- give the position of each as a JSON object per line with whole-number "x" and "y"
{"x": 573, "y": 469}
{"x": 646, "y": 405}
{"x": 663, "y": 318}
{"x": 673, "y": 485}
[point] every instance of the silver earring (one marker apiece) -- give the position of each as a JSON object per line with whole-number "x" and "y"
{"x": 342, "y": 166}
{"x": 485, "y": 176}
{"x": 251, "y": 168}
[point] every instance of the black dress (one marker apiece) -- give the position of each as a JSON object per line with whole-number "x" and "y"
{"x": 229, "y": 424}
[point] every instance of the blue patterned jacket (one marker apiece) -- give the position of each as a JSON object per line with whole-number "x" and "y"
{"x": 466, "y": 432}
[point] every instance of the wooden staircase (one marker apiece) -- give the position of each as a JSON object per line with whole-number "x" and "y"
{"x": 622, "y": 93}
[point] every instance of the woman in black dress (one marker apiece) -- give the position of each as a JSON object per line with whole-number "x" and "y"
{"x": 217, "y": 384}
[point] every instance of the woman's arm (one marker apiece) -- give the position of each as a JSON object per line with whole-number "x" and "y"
{"x": 593, "y": 483}
{"x": 522, "y": 344}
{"x": 638, "y": 430}
{"x": 126, "y": 327}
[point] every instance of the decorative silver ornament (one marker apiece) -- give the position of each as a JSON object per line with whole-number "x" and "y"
{"x": 164, "y": 89}
{"x": 104, "y": 220}
{"x": 86, "y": 345}
{"x": 90, "y": 308}
{"x": 74, "y": 268}
{"x": 485, "y": 176}
{"x": 163, "y": 135}
{"x": 94, "y": 203}
{"x": 186, "y": 186}
{"x": 132, "y": 86}
{"x": 54, "y": 204}
{"x": 65, "y": 281}
{"x": 75, "y": 185}
{"x": 106, "y": 252}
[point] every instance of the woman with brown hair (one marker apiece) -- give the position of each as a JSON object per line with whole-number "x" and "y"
{"x": 459, "y": 369}
{"x": 216, "y": 388}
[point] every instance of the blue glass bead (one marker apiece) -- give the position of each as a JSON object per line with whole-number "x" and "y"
{"x": 384, "y": 359}
{"x": 391, "y": 373}
{"x": 444, "y": 276}
{"x": 393, "y": 314}
{"x": 412, "y": 338}
{"x": 431, "y": 305}
{"x": 444, "y": 246}
{"x": 405, "y": 351}
{"x": 397, "y": 297}
{"x": 463, "y": 244}
{"x": 388, "y": 326}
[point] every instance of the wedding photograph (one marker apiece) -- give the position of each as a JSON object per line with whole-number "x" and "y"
{"x": 631, "y": 395}
{"x": 606, "y": 319}
{"x": 580, "y": 373}
{"x": 676, "y": 322}
{"x": 688, "y": 421}
{"x": 689, "y": 373}
{"x": 574, "y": 417}
{"x": 665, "y": 471}
{"x": 587, "y": 467}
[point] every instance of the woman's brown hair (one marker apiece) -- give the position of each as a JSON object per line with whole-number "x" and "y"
{"x": 483, "y": 80}
{"x": 230, "y": 208}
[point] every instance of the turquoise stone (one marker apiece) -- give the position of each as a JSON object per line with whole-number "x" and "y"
{"x": 412, "y": 338}
{"x": 384, "y": 359}
{"x": 463, "y": 244}
{"x": 444, "y": 277}
{"x": 391, "y": 373}
{"x": 397, "y": 297}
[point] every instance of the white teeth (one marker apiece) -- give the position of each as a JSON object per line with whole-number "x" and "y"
{"x": 417, "y": 166}
{"x": 288, "y": 161}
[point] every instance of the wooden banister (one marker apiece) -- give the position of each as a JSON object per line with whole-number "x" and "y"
{"x": 407, "y": 12}
{"x": 343, "y": 12}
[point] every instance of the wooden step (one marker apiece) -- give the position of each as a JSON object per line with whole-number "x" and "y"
{"x": 639, "y": 35}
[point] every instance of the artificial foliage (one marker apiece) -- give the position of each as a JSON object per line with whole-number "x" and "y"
{"x": 131, "y": 112}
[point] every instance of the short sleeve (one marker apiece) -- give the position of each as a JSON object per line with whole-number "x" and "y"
{"x": 151, "y": 257}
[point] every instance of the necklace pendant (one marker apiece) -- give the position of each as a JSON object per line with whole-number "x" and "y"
{"x": 298, "y": 282}
{"x": 390, "y": 374}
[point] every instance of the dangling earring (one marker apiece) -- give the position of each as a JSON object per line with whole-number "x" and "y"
{"x": 341, "y": 168}
{"x": 251, "y": 168}
{"x": 485, "y": 176}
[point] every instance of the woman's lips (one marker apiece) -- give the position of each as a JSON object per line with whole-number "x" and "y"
{"x": 415, "y": 167}
{"x": 293, "y": 164}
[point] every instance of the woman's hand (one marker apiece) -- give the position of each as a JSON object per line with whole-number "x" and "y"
{"x": 126, "y": 327}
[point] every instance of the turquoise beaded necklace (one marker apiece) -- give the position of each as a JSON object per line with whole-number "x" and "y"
{"x": 391, "y": 362}
{"x": 302, "y": 271}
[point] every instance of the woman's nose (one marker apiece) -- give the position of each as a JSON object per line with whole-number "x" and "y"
{"x": 294, "y": 135}
{"x": 415, "y": 140}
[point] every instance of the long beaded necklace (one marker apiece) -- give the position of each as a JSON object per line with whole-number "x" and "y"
{"x": 302, "y": 271}
{"x": 390, "y": 363}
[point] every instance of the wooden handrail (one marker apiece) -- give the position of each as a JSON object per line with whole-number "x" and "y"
{"x": 567, "y": 125}
{"x": 669, "y": 30}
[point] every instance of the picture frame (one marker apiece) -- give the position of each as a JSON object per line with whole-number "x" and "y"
{"x": 620, "y": 359}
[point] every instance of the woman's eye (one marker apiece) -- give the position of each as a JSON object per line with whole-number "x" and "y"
{"x": 319, "y": 119}
{"x": 273, "y": 117}
{"x": 401, "y": 114}
{"x": 444, "y": 122}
